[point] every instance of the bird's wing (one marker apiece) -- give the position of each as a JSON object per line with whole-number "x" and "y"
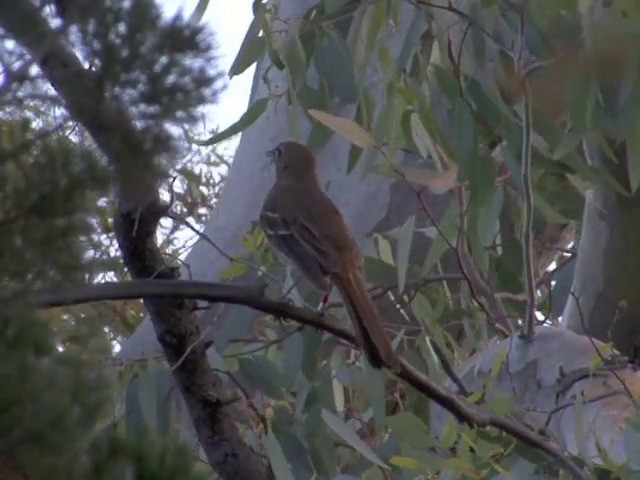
{"x": 283, "y": 233}
{"x": 321, "y": 228}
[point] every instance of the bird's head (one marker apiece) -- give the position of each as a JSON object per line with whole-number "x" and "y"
{"x": 293, "y": 162}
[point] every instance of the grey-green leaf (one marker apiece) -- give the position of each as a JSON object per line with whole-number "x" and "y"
{"x": 252, "y": 49}
{"x": 255, "y": 110}
{"x": 347, "y": 433}
{"x": 277, "y": 460}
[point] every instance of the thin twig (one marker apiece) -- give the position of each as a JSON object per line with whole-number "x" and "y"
{"x": 599, "y": 352}
{"x": 529, "y": 322}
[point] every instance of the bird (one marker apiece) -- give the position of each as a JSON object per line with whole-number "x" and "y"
{"x": 303, "y": 225}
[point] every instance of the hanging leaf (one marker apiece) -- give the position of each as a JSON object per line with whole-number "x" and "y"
{"x": 405, "y": 463}
{"x": 347, "y": 433}
{"x": 345, "y": 127}
{"x": 448, "y": 227}
{"x": 333, "y": 60}
{"x": 410, "y": 428}
{"x": 384, "y": 249}
{"x": 263, "y": 374}
{"x": 437, "y": 182}
{"x": 633, "y": 158}
{"x": 251, "y": 50}
{"x": 134, "y": 417}
{"x": 295, "y": 59}
{"x": 198, "y": 12}
{"x": 415, "y": 30}
{"x": 404, "y": 235}
{"x": 277, "y": 460}
{"x": 255, "y": 110}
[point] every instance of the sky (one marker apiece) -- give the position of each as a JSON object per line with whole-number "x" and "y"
{"x": 230, "y": 20}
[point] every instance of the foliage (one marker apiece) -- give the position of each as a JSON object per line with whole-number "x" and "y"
{"x": 60, "y": 406}
{"x": 460, "y": 108}
{"x": 319, "y": 410}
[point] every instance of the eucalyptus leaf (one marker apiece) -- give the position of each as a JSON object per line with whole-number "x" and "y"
{"x": 253, "y": 113}
{"x": 262, "y": 373}
{"x": 277, "y": 460}
{"x": 350, "y": 436}
{"x": 135, "y": 423}
{"x": 332, "y": 58}
{"x": 448, "y": 228}
{"x": 345, "y": 127}
{"x": 404, "y": 235}
{"x": 252, "y": 49}
{"x": 294, "y": 58}
{"x": 633, "y": 158}
{"x": 198, "y": 11}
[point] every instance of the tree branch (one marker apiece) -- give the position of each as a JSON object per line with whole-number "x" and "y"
{"x": 462, "y": 409}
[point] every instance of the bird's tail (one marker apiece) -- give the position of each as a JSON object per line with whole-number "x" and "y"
{"x": 371, "y": 335}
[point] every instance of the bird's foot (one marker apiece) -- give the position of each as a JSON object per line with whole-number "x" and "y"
{"x": 322, "y": 306}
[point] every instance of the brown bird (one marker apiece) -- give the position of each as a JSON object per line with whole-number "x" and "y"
{"x": 304, "y": 225}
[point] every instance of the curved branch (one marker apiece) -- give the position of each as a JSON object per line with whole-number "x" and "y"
{"x": 460, "y": 407}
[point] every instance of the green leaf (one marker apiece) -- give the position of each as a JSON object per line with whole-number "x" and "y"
{"x": 411, "y": 38}
{"x": 561, "y": 289}
{"x": 297, "y": 454}
{"x": 273, "y": 54}
{"x": 251, "y": 50}
{"x": 243, "y": 319}
{"x": 376, "y": 21}
{"x": 379, "y": 272}
{"x": 255, "y": 111}
{"x": 295, "y": 60}
{"x": 312, "y": 343}
{"x": 133, "y": 412}
{"x": 263, "y": 374}
{"x": 292, "y": 354}
{"x": 449, "y": 434}
{"x": 405, "y": 463}
{"x": 310, "y": 98}
{"x": 488, "y": 217}
{"x": 349, "y": 435}
{"x": 568, "y": 143}
{"x": 448, "y": 227}
{"x": 404, "y": 235}
{"x": 384, "y": 249}
{"x": 332, "y": 59}
{"x": 321, "y": 451}
{"x": 410, "y": 429}
{"x": 233, "y": 270}
{"x": 581, "y": 97}
{"x": 318, "y": 136}
{"x": 164, "y": 387}
{"x": 420, "y": 137}
{"x": 548, "y": 211}
{"x": 633, "y": 158}
{"x": 331, "y": 6}
{"x": 374, "y": 390}
{"x": 277, "y": 460}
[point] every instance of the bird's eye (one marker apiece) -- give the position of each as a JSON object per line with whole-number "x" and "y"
{"x": 275, "y": 154}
